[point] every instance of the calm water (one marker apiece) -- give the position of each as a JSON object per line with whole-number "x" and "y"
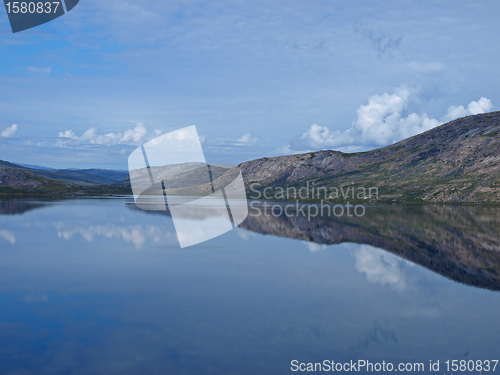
{"x": 94, "y": 286}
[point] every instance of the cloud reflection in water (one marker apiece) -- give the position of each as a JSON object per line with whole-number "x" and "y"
{"x": 8, "y": 236}
{"x": 136, "y": 234}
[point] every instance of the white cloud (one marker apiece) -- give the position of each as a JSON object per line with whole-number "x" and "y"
{"x": 287, "y": 150}
{"x": 379, "y": 123}
{"x": 68, "y": 134}
{"x": 8, "y": 236}
{"x": 247, "y": 139}
{"x": 481, "y": 106}
{"x": 10, "y": 131}
{"x": 134, "y": 137}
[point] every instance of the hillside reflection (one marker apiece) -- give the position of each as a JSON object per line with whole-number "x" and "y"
{"x": 458, "y": 242}
{"x": 19, "y": 206}
{"x": 461, "y": 243}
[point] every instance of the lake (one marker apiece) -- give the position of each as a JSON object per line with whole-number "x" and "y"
{"x": 99, "y": 286}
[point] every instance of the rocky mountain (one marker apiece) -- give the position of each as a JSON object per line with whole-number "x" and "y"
{"x": 455, "y": 162}
{"x": 18, "y": 178}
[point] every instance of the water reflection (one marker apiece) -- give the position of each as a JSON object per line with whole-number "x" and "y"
{"x": 461, "y": 243}
{"x": 379, "y": 266}
{"x": 18, "y": 206}
{"x": 78, "y": 297}
{"x": 135, "y": 234}
{"x": 8, "y": 236}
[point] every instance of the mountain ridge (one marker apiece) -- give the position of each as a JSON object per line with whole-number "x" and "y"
{"x": 457, "y": 162}
{"x": 86, "y": 177}
{"x": 20, "y": 182}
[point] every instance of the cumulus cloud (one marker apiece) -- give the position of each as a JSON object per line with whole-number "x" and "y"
{"x": 247, "y": 139}
{"x": 134, "y": 137}
{"x": 10, "y": 131}
{"x": 68, "y": 134}
{"x": 381, "y": 122}
{"x": 481, "y": 106}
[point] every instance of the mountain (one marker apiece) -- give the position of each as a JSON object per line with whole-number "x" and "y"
{"x": 74, "y": 176}
{"x": 19, "y": 182}
{"x": 457, "y": 162}
{"x": 80, "y": 177}
{"x": 177, "y": 178}
{"x": 12, "y": 179}
{"x": 31, "y": 166}
{"x": 110, "y": 174}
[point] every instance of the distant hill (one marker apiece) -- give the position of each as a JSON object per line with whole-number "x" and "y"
{"x": 17, "y": 179}
{"x": 86, "y": 176}
{"x": 455, "y": 162}
{"x": 73, "y": 176}
{"x": 32, "y": 166}
{"x": 113, "y": 175}
{"x": 18, "y": 182}
{"x": 177, "y": 178}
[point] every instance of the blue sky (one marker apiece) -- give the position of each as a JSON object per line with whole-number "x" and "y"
{"x": 257, "y": 78}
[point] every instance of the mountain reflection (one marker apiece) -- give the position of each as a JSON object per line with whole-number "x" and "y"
{"x": 18, "y": 206}
{"x": 461, "y": 243}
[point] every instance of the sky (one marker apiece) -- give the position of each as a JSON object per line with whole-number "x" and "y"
{"x": 256, "y": 78}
